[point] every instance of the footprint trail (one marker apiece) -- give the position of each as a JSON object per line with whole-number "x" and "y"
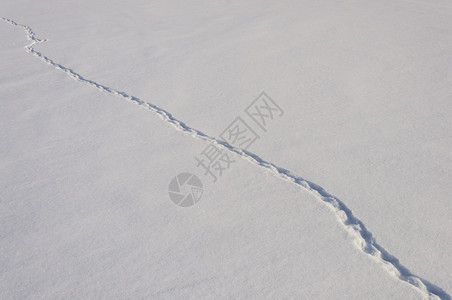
{"x": 362, "y": 237}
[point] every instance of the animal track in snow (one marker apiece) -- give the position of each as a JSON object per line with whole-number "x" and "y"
{"x": 363, "y": 238}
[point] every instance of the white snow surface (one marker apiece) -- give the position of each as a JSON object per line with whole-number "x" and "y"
{"x": 345, "y": 196}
